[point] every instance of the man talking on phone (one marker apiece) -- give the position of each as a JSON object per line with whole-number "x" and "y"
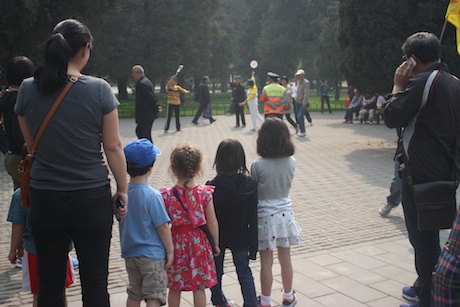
{"x": 429, "y": 139}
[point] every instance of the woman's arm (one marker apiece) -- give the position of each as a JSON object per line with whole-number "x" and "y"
{"x": 113, "y": 149}
{"x": 26, "y": 133}
{"x": 213, "y": 226}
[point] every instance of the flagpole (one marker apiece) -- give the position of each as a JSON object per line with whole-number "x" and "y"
{"x": 443, "y": 30}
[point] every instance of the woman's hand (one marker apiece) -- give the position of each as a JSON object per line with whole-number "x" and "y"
{"x": 120, "y": 211}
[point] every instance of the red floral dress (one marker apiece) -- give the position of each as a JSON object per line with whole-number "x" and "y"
{"x": 193, "y": 267}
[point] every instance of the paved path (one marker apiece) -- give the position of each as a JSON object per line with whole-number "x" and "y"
{"x": 350, "y": 256}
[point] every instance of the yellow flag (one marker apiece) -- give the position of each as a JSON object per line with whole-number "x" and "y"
{"x": 453, "y": 16}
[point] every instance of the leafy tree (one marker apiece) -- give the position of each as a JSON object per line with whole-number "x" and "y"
{"x": 26, "y": 24}
{"x": 371, "y": 34}
{"x": 328, "y": 55}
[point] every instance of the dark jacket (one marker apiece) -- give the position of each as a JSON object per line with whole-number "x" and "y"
{"x": 202, "y": 94}
{"x": 146, "y": 101}
{"x": 238, "y": 94}
{"x": 14, "y": 138}
{"x": 430, "y": 154}
{"x": 235, "y": 203}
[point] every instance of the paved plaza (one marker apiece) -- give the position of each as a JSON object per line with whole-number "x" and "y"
{"x": 350, "y": 256}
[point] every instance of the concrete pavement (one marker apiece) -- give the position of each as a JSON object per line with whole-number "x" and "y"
{"x": 350, "y": 256}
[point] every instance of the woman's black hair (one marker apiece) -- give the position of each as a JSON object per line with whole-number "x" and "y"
{"x": 68, "y": 37}
{"x": 18, "y": 69}
{"x": 274, "y": 139}
{"x": 230, "y": 158}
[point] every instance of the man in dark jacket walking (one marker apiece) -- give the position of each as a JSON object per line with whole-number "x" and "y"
{"x": 429, "y": 142}
{"x": 147, "y": 106}
{"x": 204, "y": 99}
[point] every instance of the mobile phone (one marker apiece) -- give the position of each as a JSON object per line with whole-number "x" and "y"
{"x": 119, "y": 204}
{"x": 412, "y": 62}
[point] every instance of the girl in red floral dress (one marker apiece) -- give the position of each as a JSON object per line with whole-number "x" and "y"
{"x": 190, "y": 206}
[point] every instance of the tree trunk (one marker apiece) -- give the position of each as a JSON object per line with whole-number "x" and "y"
{"x": 122, "y": 83}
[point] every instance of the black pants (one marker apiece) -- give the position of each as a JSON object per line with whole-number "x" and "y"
{"x": 144, "y": 129}
{"x": 199, "y": 112}
{"x": 239, "y": 112}
{"x": 176, "y": 109}
{"x": 425, "y": 244}
{"x": 289, "y": 119}
{"x": 84, "y": 216}
{"x": 323, "y": 99}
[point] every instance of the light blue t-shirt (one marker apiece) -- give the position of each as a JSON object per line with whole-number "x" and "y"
{"x": 138, "y": 231}
{"x": 19, "y": 215}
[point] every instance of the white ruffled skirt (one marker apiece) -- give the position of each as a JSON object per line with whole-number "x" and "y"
{"x": 278, "y": 230}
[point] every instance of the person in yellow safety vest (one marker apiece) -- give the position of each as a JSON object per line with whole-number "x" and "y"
{"x": 272, "y": 96}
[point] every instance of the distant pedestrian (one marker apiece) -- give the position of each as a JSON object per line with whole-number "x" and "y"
{"x": 145, "y": 234}
{"x": 324, "y": 90}
{"x": 253, "y": 102}
{"x": 302, "y": 96}
{"x": 272, "y": 96}
{"x": 274, "y": 172}
{"x": 147, "y": 106}
{"x": 174, "y": 102}
{"x": 204, "y": 99}
{"x": 288, "y": 103}
{"x": 239, "y": 95}
{"x": 190, "y": 208}
{"x": 235, "y": 202}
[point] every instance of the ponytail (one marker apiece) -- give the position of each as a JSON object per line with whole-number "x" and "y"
{"x": 69, "y": 36}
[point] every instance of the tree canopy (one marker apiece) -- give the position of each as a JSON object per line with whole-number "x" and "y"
{"x": 357, "y": 41}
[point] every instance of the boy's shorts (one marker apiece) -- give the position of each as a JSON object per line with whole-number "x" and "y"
{"x": 147, "y": 279}
{"x": 30, "y": 273}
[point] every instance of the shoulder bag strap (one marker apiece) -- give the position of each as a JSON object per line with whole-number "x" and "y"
{"x": 410, "y": 129}
{"x": 50, "y": 114}
{"x": 176, "y": 194}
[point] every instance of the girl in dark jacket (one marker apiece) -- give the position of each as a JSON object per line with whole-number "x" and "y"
{"x": 235, "y": 202}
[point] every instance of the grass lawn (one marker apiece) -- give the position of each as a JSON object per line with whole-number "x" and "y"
{"x": 220, "y": 104}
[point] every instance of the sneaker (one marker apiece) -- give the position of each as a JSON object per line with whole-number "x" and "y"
{"x": 18, "y": 263}
{"x": 166, "y": 131}
{"x": 195, "y": 123}
{"x": 297, "y": 130}
{"x": 236, "y": 126}
{"x": 259, "y": 304}
{"x": 243, "y": 126}
{"x": 413, "y": 304}
{"x": 252, "y": 130}
{"x": 385, "y": 210}
{"x": 291, "y": 303}
{"x": 75, "y": 262}
{"x": 311, "y": 124}
{"x": 212, "y": 120}
{"x": 302, "y": 134}
{"x": 229, "y": 304}
{"x": 409, "y": 294}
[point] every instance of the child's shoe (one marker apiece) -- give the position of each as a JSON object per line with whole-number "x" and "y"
{"x": 291, "y": 303}
{"x": 19, "y": 262}
{"x": 260, "y": 304}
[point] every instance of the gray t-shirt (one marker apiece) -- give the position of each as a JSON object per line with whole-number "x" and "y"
{"x": 69, "y": 155}
{"x": 274, "y": 176}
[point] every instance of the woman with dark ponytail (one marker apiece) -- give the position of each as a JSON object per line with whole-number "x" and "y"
{"x": 70, "y": 189}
